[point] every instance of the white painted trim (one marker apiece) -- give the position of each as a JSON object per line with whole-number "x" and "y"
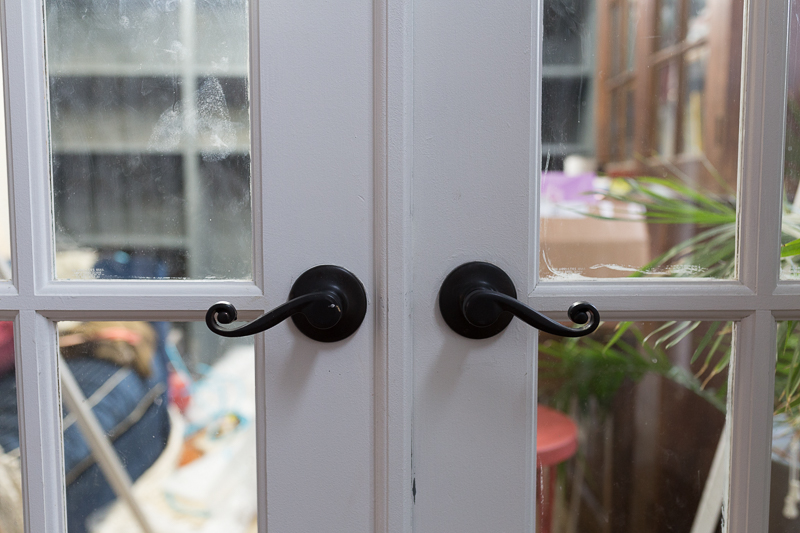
{"x": 760, "y": 184}
{"x": 534, "y": 237}
{"x": 535, "y": 148}
{"x": 149, "y": 289}
{"x": 27, "y": 141}
{"x": 259, "y": 253}
{"x": 37, "y": 376}
{"x": 40, "y": 424}
{"x": 749, "y": 414}
{"x": 261, "y": 431}
{"x": 762, "y": 127}
{"x": 256, "y": 181}
{"x": 393, "y": 376}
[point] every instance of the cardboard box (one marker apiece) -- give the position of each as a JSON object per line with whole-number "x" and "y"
{"x": 574, "y": 248}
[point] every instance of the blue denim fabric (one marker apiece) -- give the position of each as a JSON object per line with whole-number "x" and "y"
{"x": 138, "y": 447}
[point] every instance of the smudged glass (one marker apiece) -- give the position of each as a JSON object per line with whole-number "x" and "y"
{"x": 150, "y": 138}
{"x": 640, "y": 141}
{"x": 631, "y": 427}
{"x": 175, "y": 406}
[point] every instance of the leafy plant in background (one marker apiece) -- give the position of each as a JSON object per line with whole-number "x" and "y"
{"x": 710, "y": 253}
{"x": 670, "y": 201}
{"x": 584, "y": 368}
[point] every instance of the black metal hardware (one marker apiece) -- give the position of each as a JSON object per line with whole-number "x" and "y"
{"x": 327, "y": 303}
{"x": 478, "y": 300}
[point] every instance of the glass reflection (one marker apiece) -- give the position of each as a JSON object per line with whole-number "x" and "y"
{"x": 150, "y": 137}
{"x": 644, "y": 183}
{"x": 177, "y": 407}
{"x": 637, "y": 411}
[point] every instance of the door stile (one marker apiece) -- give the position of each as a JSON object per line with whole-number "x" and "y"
{"x": 763, "y": 120}
{"x": 750, "y": 413}
{"x": 41, "y": 461}
{"x": 26, "y": 141}
{"x": 261, "y": 431}
{"x": 473, "y": 160}
{"x": 317, "y": 193}
{"x": 534, "y": 240}
{"x": 40, "y": 424}
{"x": 393, "y": 377}
{"x": 256, "y": 182}
{"x": 259, "y": 257}
{"x": 535, "y": 171}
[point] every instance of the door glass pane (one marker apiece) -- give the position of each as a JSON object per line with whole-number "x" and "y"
{"x": 785, "y": 480}
{"x": 150, "y": 138}
{"x": 646, "y": 185}
{"x": 563, "y": 43}
{"x": 790, "y": 227}
{"x": 630, "y": 425}
{"x": 11, "y": 515}
{"x": 176, "y": 403}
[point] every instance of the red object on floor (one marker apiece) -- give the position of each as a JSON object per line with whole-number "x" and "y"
{"x": 556, "y": 441}
{"x": 179, "y": 391}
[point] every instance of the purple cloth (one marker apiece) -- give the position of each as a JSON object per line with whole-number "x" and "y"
{"x": 558, "y": 188}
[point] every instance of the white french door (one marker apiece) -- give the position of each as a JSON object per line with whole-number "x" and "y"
{"x": 398, "y": 139}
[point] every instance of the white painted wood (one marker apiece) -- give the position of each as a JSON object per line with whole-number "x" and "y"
{"x": 316, "y": 150}
{"x": 474, "y": 401}
{"x": 393, "y": 90}
{"x": 35, "y": 338}
{"x": 40, "y": 423}
{"x": 750, "y": 407}
{"x": 762, "y": 128}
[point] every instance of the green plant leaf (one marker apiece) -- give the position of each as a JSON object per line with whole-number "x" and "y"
{"x": 791, "y": 249}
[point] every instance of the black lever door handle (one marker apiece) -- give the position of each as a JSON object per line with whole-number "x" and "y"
{"x": 327, "y": 303}
{"x": 478, "y": 300}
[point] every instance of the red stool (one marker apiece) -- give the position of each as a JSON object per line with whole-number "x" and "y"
{"x": 556, "y": 441}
